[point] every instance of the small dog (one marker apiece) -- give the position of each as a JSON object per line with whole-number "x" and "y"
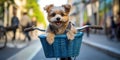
{"x": 59, "y": 23}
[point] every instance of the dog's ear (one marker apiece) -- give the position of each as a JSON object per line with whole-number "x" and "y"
{"x": 48, "y": 7}
{"x": 67, "y": 8}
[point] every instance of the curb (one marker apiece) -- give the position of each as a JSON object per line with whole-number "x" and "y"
{"x": 109, "y": 50}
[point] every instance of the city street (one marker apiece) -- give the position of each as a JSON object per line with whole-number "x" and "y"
{"x": 22, "y": 22}
{"x": 34, "y": 51}
{"x": 12, "y": 49}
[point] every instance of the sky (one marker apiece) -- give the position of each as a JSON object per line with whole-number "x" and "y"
{"x": 43, "y": 3}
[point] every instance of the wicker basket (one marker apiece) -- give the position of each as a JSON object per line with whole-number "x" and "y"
{"x": 62, "y": 47}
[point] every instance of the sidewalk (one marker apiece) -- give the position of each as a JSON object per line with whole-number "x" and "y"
{"x": 104, "y": 44}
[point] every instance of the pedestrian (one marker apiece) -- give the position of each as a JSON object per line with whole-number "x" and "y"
{"x": 113, "y": 27}
{"x": 118, "y": 27}
{"x": 88, "y": 29}
{"x": 14, "y": 24}
{"x": 26, "y": 23}
{"x": 118, "y": 31}
{"x": 34, "y": 23}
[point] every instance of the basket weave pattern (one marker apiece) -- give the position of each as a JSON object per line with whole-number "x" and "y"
{"x": 62, "y": 47}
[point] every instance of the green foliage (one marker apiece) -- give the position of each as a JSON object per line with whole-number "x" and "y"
{"x": 2, "y": 1}
{"x": 32, "y": 4}
{"x": 85, "y": 16}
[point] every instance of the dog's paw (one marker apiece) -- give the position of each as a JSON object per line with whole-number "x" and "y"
{"x": 73, "y": 29}
{"x": 50, "y": 38}
{"x": 70, "y": 35}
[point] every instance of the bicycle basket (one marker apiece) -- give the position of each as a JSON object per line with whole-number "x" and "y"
{"x": 62, "y": 47}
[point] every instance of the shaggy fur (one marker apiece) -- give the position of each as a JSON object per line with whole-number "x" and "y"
{"x": 58, "y": 18}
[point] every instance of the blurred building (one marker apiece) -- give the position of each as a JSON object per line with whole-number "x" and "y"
{"x": 97, "y": 11}
{"x": 1, "y": 12}
{"x": 92, "y": 11}
{"x": 77, "y": 12}
{"x": 116, "y": 8}
{"x": 18, "y": 6}
{"x": 82, "y": 7}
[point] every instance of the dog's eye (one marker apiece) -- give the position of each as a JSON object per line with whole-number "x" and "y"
{"x": 62, "y": 14}
{"x": 53, "y": 14}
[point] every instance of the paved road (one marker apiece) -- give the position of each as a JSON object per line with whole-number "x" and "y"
{"x": 11, "y": 49}
{"x": 8, "y": 52}
{"x": 87, "y": 53}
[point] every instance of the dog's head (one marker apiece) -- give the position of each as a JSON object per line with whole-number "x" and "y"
{"x": 58, "y": 16}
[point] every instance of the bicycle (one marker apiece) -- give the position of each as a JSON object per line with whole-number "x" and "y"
{"x": 3, "y": 37}
{"x": 63, "y": 48}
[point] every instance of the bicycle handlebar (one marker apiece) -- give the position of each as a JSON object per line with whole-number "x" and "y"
{"x": 78, "y": 28}
{"x": 33, "y": 28}
{"x": 89, "y": 26}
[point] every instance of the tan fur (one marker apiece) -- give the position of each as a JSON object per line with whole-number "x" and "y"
{"x": 48, "y": 7}
{"x": 63, "y": 13}
{"x": 50, "y": 37}
{"x": 71, "y": 33}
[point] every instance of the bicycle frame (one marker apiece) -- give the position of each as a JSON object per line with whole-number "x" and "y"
{"x": 3, "y": 35}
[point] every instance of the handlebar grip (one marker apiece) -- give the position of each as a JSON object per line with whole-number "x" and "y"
{"x": 33, "y": 28}
{"x": 96, "y": 27}
{"x": 29, "y": 29}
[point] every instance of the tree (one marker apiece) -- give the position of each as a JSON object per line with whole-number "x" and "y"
{"x": 32, "y": 4}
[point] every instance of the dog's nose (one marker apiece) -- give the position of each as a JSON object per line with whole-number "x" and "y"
{"x": 58, "y": 18}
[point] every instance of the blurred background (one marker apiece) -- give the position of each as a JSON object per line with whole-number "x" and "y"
{"x": 16, "y": 15}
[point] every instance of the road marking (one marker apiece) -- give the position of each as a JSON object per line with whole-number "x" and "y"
{"x": 27, "y": 53}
